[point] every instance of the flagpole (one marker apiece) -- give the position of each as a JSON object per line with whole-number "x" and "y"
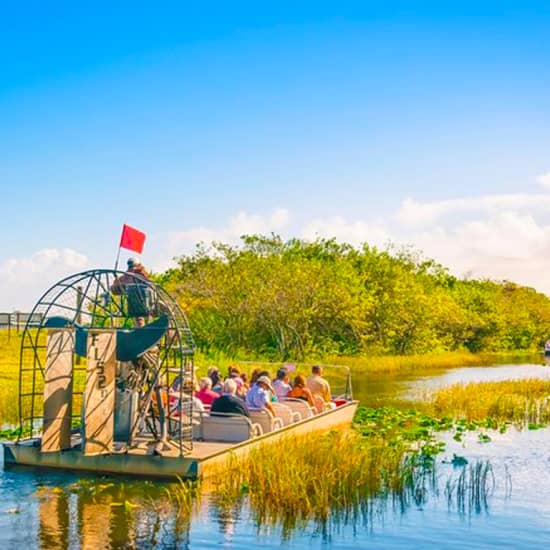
{"x": 117, "y": 258}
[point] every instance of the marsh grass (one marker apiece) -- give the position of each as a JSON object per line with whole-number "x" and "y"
{"x": 525, "y": 403}
{"x": 391, "y": 365}
{"x": 337, "y": 476}
{"x": 401, "y": 364}
{"x": 340, "y": 478}
{"x": 470, "y": 491}
{"x": 9, "y": 376}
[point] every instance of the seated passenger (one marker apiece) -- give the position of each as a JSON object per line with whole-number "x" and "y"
{"x": 215, "y": 376}
{"x": 259, "y": 395}
{"x": 318, "y": 385}
{"x": 244, "y": 378}
{"x": 205, "y": 393}
{"x": 229, "y": 402}
{"x": 190, "y": 387}
{"x": 281, "y": 385}
{"x": 256, "y": 373}
{"x": 301, "y": 391}
{"x": 234, "y": 373}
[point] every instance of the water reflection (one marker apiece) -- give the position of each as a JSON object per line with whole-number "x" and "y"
{"x": 53, "y": 519}
{"x": 108, "y": 515}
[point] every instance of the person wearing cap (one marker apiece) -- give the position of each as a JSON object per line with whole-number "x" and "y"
{"x": 259, "y": 395}
{"x": 135, "y": 267}
{"x": 120, "y": 284}
{"x": 280, "y": 384}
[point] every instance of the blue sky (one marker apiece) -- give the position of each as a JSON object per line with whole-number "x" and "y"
{"x": 414, "y": 122}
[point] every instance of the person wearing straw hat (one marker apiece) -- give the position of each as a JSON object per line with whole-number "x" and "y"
{"x": 259, "y": 395}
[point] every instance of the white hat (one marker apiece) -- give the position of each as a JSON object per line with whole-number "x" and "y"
{"x": 265, "y": 380}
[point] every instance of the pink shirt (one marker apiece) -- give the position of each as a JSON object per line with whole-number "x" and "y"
{"x": 207, "y": 396}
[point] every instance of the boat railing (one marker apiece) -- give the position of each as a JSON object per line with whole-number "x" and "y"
{"x": 339, "y": 376}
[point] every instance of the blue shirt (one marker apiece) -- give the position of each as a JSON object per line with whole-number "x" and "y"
{"x": 257, "y": 397}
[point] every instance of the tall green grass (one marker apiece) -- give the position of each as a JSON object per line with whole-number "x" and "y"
{"x": 406, "y": 364}
{"x": 318, "y": 477}
{"x": 382, "y": 364}
{"x": 522, "y": 402}
{"x": 9, "y": 376}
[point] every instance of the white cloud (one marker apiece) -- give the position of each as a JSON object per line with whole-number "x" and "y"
{"x": 505, "y": 246}
{"x": 23, "y": 280}
{"x": 354, "y": 232}
{"x": 177, "y": 243}
{"x": 544, "y": 180}
{"x": 248, "y": 224}
{"x": 416, "y": 213}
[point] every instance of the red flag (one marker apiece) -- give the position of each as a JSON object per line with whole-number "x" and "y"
{"x": 132, "y": 239}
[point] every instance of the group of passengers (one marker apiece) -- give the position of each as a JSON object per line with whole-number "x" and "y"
{"x": 236, "y": 394}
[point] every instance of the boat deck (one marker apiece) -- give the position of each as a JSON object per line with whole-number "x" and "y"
{"x": 146, "y": 459}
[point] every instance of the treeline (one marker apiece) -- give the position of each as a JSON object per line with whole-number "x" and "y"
{"x": 282, "y": 299}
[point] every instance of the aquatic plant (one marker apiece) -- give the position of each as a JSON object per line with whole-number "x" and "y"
{"x": 320, "y": 477}
{"x": 470, "y": 491}
{"x": 521, "y": 402}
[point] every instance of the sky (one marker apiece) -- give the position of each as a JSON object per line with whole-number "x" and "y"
{"x": 423, "y": 124}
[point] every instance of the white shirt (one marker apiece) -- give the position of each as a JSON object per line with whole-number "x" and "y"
{"x": 281, "y": 388}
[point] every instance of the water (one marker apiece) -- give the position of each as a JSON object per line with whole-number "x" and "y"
{"x": 57, "y": 510}
{"x": 376, "y": 389}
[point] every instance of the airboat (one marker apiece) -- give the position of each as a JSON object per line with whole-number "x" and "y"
{"x": 103, "y": 387}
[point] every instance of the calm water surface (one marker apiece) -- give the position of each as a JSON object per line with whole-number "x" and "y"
{"x": 54, "y": 510}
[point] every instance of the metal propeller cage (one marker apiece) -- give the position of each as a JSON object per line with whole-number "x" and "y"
{"x": 88, "y": 300}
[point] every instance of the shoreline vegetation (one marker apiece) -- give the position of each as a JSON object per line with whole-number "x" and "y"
{"x": 297, "y": 299}
{"x": 392, "y": 366}
{"x": 384, "y": 364}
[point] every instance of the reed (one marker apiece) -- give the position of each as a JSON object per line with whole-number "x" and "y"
{"x": 399, "y": 364}
{"x": 522, "y": 402}
{"x": 317, "y": 478}
{"x": 470, "y": 491}
{"x": 391, "y": 365}
{"x": 9, "y": 376}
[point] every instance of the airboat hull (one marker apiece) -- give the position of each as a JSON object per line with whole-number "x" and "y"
{"x": 140, "y": 462}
